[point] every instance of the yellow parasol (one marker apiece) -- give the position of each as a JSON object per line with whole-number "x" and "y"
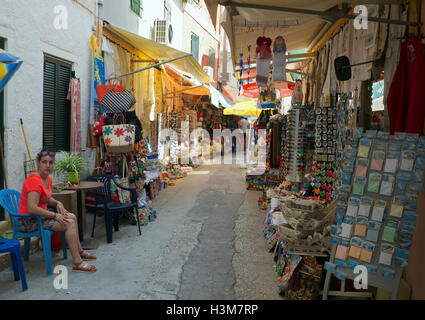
{"x": 246, "y": 108}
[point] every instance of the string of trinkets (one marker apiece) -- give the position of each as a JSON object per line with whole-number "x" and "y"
{"x": 249, "y": 62}
{"x": 324, "y": 165}
{"x": 240, "y": 73}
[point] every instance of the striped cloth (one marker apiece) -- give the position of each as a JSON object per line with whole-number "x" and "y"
{"x": 74, "y": 95}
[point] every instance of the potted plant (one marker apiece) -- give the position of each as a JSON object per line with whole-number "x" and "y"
{"x": 72, "y": 165}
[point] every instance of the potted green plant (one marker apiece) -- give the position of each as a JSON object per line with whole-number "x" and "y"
{"x": 72, "y": 165}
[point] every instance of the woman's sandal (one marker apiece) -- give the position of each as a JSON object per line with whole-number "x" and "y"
{"x": 83, "y": 266}
{"x": 87, "y": 256}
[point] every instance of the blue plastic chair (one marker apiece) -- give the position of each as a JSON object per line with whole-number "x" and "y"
{"x": 9, "y": 200}
{"x": 14, "y": 248}
{"x": 104, "y": 201}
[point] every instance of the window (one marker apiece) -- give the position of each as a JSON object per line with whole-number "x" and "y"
{"x": 56, "y": 108}
{"x": 212, "y": 59}
{"x": 167, "y": 11}
{"x": 137, "y": 7}
{"x": 194, "y": 48}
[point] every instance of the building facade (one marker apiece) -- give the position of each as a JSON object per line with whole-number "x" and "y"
{"x": 159, "y": 20}
{"x": 52, "y": 37}
{"x": 200, "y": 37}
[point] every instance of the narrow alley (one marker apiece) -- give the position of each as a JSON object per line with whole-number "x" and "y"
{"x": 206, "y": 243}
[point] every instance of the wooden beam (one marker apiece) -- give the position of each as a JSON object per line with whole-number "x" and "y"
{"x": 373, "y": 1}
{"x": 333, "y": 30}
{"x": 414, "y": 13}
{"x": 332, "y": 15}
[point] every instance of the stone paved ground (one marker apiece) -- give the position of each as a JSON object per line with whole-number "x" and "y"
{"x": 207, "y": 243}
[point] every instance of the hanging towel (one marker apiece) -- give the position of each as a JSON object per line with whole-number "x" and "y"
{"x": 279, "y": 66}
{"x": 263, "y": 69}
{"x": 74, "y": 95}
{"x": 406, "y": 98}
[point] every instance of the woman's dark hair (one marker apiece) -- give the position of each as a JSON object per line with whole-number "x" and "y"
{"x": 45, "y": 152}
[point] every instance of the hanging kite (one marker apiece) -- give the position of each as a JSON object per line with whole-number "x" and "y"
{"x": 9, "y": 64}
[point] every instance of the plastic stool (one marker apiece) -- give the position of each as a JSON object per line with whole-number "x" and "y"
{"x": 14, "y": 247}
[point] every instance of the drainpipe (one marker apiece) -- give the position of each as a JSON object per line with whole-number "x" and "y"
{"x": 100, "y": 10}
{"x": 217, "y": 59}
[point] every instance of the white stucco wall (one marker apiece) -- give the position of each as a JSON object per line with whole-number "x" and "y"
{"x": 197, "y": 21}
{"x": 28, "y": 28}
{"x": 119, "y": 13}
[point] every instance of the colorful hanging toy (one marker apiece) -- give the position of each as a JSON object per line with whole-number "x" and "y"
{"x": 240, "y": 73}
{"x": 249, "y": 61}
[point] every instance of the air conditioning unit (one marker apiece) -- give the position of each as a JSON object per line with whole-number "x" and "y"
{"x": 163, "y": 31}
{"x": 209, "y": 71}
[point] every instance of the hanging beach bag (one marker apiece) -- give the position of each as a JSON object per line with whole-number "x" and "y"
{"x": 103, "y": 89}
{"x": 124, "y": 195}
{"x": 118, "y": 101}
{"x": 119, "y": 138}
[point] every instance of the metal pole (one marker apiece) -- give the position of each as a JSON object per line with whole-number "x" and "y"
{"x": 149, "y": 67}
{"x": 169, "y": 94}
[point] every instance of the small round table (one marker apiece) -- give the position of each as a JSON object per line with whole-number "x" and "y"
{"x": 84, "y": 186}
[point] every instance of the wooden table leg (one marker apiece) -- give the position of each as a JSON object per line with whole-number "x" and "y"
{"x": 89, "y": 243}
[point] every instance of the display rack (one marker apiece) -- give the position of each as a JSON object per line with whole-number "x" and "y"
{"x": 297, "y": 143}
{"x": 379, "y": 240}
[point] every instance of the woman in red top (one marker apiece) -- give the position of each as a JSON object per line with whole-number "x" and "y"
{"x": 36, "y": 195}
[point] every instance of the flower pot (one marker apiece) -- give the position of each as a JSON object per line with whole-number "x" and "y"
{"x": 74, "y": 178}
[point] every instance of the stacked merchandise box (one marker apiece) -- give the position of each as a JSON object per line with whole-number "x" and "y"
{"x": 256, "y": 182}
{"x": 272, "y": 178}
{"x": 377, "y": 206}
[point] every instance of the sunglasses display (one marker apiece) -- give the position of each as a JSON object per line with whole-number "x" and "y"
{"x": 300, "y": 137}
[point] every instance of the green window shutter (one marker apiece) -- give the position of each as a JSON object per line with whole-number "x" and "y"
{"x": 135, "y": 6}
{"x": 212, "y": 59}
{"x": 195, "y": 47}
{"x": 56, "y": 108}
{"x": 49, "y": 88}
